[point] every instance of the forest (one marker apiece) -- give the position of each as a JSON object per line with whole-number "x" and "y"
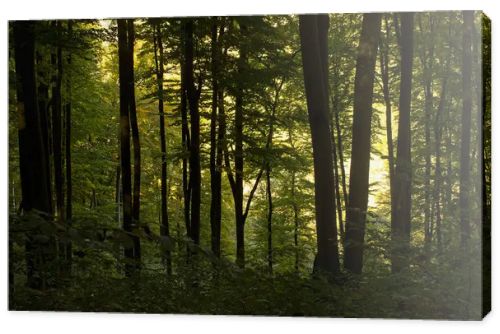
{"x": 328, "y": 165}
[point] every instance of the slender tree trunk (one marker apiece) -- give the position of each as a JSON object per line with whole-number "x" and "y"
{"x": 384, "y": 68}
{"x": 164, "y": 227}
{"x": 194, "y": 157}
{"x": 186, "y": 142}
{"x": 69, "y": 181}
{"x": 341, "y": 158}
{"x": 361, "y": 138}
{"x": 295, "y": 224}
{"x": 35, "y": 192}
{"x": 438, "y": 172}
{"x": 238, "y": 155}
{"x": 269, "y": 219}
{"x": 126, "y": 171}
{"x": 337, "y": 185}
{"x": 313, "y": 36}
{"x": 427, "y": 60}
{"x": 215, "y": 171}
{"x": 136, "y": 194}
{"x": 118, "y": 194}
{"x": 465, "y": 140}
{"x": 295, "y": 208}
{"x": 57, "y": 128}
{"x": 401, "y": 213}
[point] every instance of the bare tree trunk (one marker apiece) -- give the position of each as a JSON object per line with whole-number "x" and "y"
{"x": 438, "y": 172}
{"x": 57, "y": 127}
{"x": 337, "y": 185}
{"x": 69, "y": 181}
{"x": 401, "y": 213}
{"x": 194, "y": 157}
{"x": 269, "y": 219}
{"x": 44, "y": 112}
{"x": 238, "y": 156}
{"x": 215, "y": 148}
{"x": 164, "y": 227}
{"x": 384, "y": 68}
{"x": 313, "y": 36}
{"x": 465, "y": 183}
{"x": 361, "y": 143}
{"x": 136, "y": 194}
{"x": 186, "y": 142}
{"x": 126, "y": 171}
{"x": 427, "y": 60}
{"x": 35, "y": 192}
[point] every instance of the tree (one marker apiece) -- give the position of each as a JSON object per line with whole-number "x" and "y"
{"x": 69, "y": 182}
{"x": 193, "y": 96}
{"x": 159, "y": 66}
{"x": 384, "y": 69}
{"x": 427, "y": 61}
{"x": 56, "y": 104}
{"x": 401, "y": 212}
{"x": 361, "y": 137}
{"x": 136, "y": 195}
{"x": 125, "y": 96}
{"x": 465, "y": 138}
{"x": 215, "y": 146}
{"x": 313, "y": 32}
{"x": 35, "y": 192}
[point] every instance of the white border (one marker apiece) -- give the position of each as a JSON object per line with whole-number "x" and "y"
{"x": 40, "y": 322}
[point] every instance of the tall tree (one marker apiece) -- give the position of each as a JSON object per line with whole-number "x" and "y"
{"x": 361, "y": 143}
{"x": 465, "y": 138}
{"x": 427, "y": 61}
{"x": 69, "y": 181}
{"x": 238, "y": 153}
{"x": 401, "y": 212}
{"x": 125, "y": 166}
{"x": 313, "y": 38}
{"x": 193, "y": 95}
{"x": 384, "y": 69}
{"x": 186, "y": 142}
{"x": 159, "y": 66}
{"x": 267, "y": 168}
{"x": 136, "y": 195}
{"x": 35, "y": 191}
{"x": 215, "y": 147}
{"x": 57, "y": 62}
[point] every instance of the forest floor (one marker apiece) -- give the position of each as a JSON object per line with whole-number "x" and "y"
{"x": 233, "y": 291}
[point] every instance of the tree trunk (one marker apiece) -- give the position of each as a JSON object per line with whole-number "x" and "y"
{"x": 164, "y": 227}
{"x": 361, "y": 140}
{"x": 69, "y": 181}
{"x": 136, "y": 195}
{"x": 125, "y": 78}
{"x": 337, "y": 185}
{"x": 295, "y": 224}
{"x": 401, "y": 213}
{"x": 57, "y": 128}
{"x": 194, "y": 157}
{"x": 215, "y": 157}
{"x": 438, "y": 172}
{"x": 427, "y": 60}
{"x": 35, "y": 191}
{"x": 269, "y": 219}
{"x": 238, "y": 154}
{"x": 186, "y": 142}
{"x": 465, "y": 183}
{"x": 384, "y": 69}
{"x": 313, "y": 36}
{"x": 44, "y": 112}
